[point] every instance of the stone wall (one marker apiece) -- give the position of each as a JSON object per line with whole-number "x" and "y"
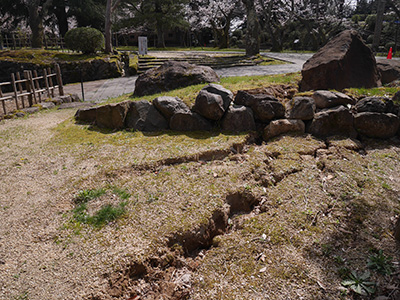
{"x": 216, "y": 108}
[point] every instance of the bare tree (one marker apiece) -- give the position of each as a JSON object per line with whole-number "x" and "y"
{"x": 37, "y": 10}
{"x": 378, "y": 24}
{"x": 111, "y": 5}
{"x": 252, "y": 29}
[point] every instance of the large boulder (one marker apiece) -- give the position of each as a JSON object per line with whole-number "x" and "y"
{"x": 189, "y": 121}
{"x": 302, "y": 108}
{"x": 377, "y": 125}
{"x": 227, "y": 95}
{"x": 169, "y": 106}
{"x": 377, "y": 105}
{"x": 210, "y": 106}
{"x": 172, "y": 75}
{"x": 143, "y": 116}
{"x": 334, "y": 121}
{"x": 283, "y": 126}
{"x": 389, "y": 69}
{"x": 112, "y": 116}
{"x": 328, "y": 99}
{"x": 86, "y": 115}
{"x": 267, "y": 110}
{"x": 238, "y": 118}
{"x": 345, "y": 61}
{"x": 247, "y": 99}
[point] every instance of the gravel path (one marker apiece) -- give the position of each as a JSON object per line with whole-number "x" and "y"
{"x": 101, "y": 90}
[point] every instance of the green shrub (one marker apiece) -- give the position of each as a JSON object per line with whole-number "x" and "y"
{"x": 85, "y": 39}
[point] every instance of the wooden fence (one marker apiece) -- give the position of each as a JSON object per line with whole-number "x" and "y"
{"x": 31, "y": 89}
{"x": 12, "y": 41}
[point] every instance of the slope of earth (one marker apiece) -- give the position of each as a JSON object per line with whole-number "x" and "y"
{"x": 90, "y": 214}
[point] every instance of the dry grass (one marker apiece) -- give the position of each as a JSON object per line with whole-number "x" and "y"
{"x": 308, "y": 213}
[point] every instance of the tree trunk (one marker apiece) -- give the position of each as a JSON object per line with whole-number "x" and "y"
{"x": 36, "y": 25}
{"x": 61, "y": 16}
{"x": 253, "y": 29}
{"x": 378, "y": 25}
{"x": 160, "y": 36}
{"x": 107, "y": 29}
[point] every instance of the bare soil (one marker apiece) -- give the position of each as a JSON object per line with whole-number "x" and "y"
{"x": 209, "y": 216}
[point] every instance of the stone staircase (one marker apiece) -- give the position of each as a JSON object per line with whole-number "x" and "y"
{"x": 216, "y": 62}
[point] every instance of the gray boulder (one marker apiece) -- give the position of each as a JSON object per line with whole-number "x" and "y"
{"x": 238, "y": 118}
{"x": 189, "y": 121}
{"x": 267, "y": 110}
{"x": 143, "y": 116}
{"x": 377, "y": 104}
{"x": 227, "y": 95}
{"x": 283, "y": 126}
{"x": 112, "y": 116}
{"x": 302, "y": 108}
{"x": 345, "y": 61}
{"x": 377, "y": 125}
{"x": 328, "y": 99}
{"x": 169, "y": 106}
{"x": 247, "y": 99}
{"x": 333, "y": 121}
{"x": 172, "y": 75}
{"x": 86, "y": 115}
{"x": 389, "y": 69}
{"x": 47, "y": 105}
{"x": 210, "y": 106}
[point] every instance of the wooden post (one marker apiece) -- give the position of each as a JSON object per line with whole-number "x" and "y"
{"x": 20, "y": 89}
{"x": 59, "y": 80}
{"x": 50, "y": 82}
{"x": 36, "y": 81}
{"x": 32, "y": 87}
{"x": 14, "y": 86}
{"x": 46, "y": 82}
{"x": 28, "y": 87}
{"x": 4, "y": 105}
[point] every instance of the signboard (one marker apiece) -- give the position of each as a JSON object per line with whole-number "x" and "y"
{"x": 142, "y": 45}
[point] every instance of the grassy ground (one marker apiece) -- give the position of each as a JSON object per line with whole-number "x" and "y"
{"x": 194, "y": 215}
{"x": 46, "y": 56}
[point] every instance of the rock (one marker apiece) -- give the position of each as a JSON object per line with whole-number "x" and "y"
{"x": 75, "y": 98}
{"x": 47, "y": 105}
{"x": 328, "y": 99}
{"x": 282, "y": 126}
{"x": 377, "y": 125}
{"x": 345, "y": 61}
{"x": 333, "y": 121}
{"x": 227, "y": 95}
{"x": 19, "y": 114}
{"x": 143, "y": 116}
{"x": 210, "y": 106}
{"x": 172, "y": 75}
{"x": 389, "y": 69}
{"x": 238, "y": 118}
{"x": 267, "y": 110}
{"x": 75, "y": 105}
{"x": 302, "y": 108}
{"x": 247, "y": 99}
{"x": 396, "y": 97}
{"x": 377, "y": 104}
{"x": 169, "y": 106}
{"x": 30, "y": 110}
{"x": 112, "y": 116}
{"x": 189, "y": 121}
{"x": 86, "y": 115}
